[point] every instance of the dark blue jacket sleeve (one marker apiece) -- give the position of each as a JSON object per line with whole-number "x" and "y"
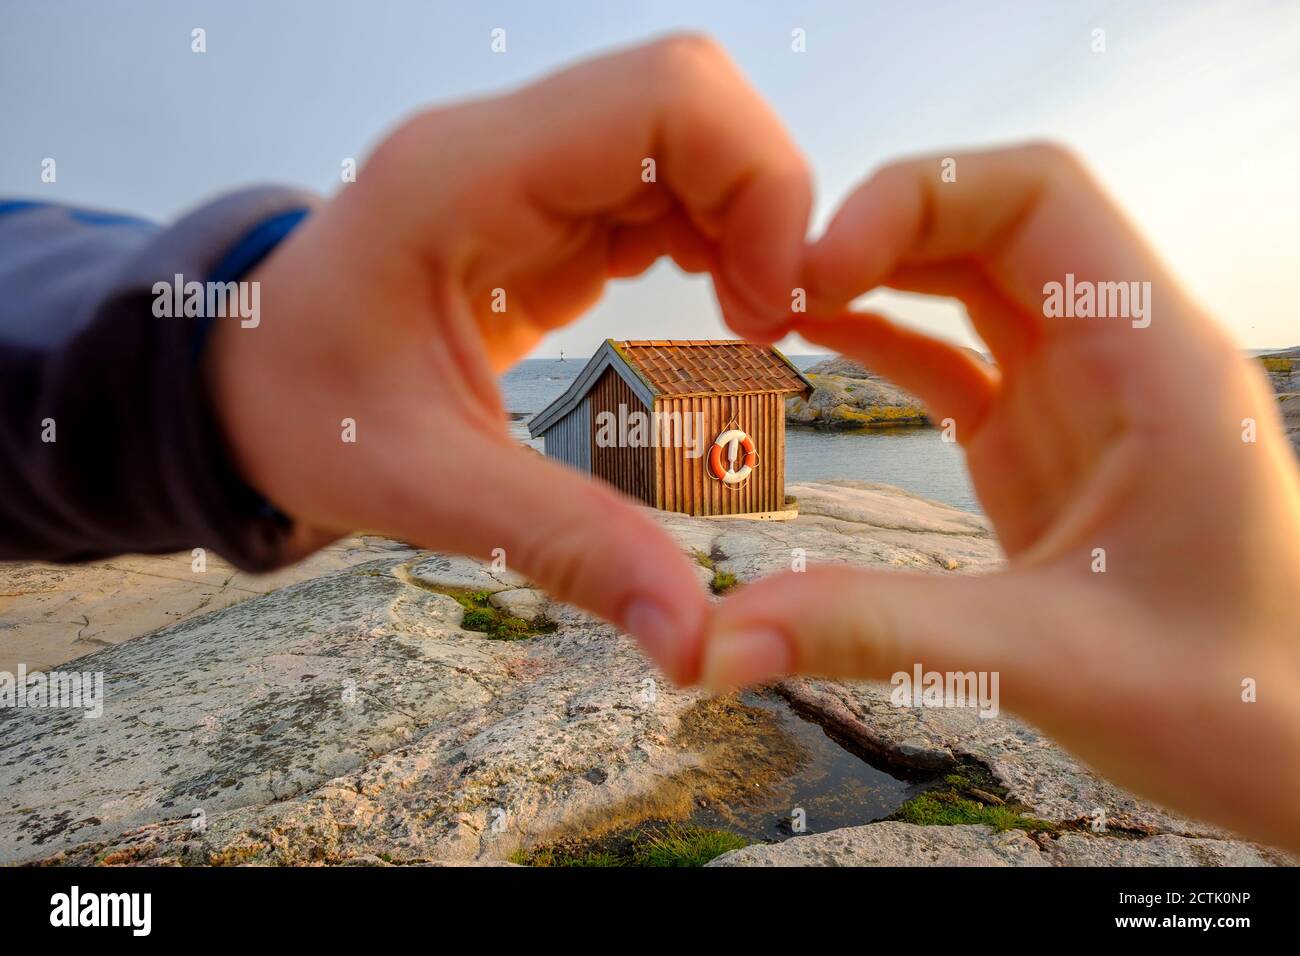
{"x": 108, "y": 443}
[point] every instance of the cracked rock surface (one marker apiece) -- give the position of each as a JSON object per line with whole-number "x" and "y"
{"x": 347, "y": 718}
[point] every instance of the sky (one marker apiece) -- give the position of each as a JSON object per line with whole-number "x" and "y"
{"x": 1191, "y": 116}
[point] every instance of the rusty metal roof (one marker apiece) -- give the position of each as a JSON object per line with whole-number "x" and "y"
{"x": 673, "y": 367}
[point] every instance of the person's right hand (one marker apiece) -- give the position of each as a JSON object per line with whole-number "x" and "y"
{"x": 1091, "y": 440}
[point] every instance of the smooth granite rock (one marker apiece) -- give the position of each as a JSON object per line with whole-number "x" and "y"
{"x": 348, "y": 718}
{"x": 894, "y": 844}
{"x": 54, "y": 613}
{"x": 526, "y": 603}
{"x": 904, "y": 844}
{"x": 1165, "y": 849}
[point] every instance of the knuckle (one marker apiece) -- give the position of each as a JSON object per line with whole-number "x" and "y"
{"x": 1057, "y": 158}
{"x": 559, "y": 561}
{"x": 876, "y": 642}
{"x": 893, "y": 177}
{"x": 863, "y": 636}
{"x": 685, "y": 55}
{"x": 405, "y": 151}
{"x": 572, "y": 560}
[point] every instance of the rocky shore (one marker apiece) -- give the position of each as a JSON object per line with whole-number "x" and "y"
{"x": 1283, "y": 370}
{"x": 848, "y": 396}
{"x": 419, "y": 709}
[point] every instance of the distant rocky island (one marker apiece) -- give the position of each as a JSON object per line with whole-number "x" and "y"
{"x": 1283, "y": 370}
{"x": 847, "y": 395}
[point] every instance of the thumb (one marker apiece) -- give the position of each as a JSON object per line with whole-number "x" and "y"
{"x": 578, "y": 539}
{"x": 843, "y": 622}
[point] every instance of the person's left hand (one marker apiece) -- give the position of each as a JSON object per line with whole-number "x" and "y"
{"x": 1153, "y": 544}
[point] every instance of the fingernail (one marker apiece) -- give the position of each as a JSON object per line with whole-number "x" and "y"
{"x": 654, "y": 627}
{"x": 741, "y": 658}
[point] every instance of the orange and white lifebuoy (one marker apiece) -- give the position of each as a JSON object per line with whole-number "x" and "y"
{"x": 728, "y": 441}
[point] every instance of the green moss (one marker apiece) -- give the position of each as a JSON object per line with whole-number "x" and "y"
{"x": 481, "y": 616}
{"x": 654, "y": 845}
{"x": 470, "y": 599}
{"x": 945, "y": 808}
{"x": 964, "y": 798}
{"x": 478, "y": 619}
{"x": 1278, "y": 364}
{"x": 723, "y": 581}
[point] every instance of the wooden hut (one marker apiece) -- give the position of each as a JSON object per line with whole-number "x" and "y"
{"x": 690, "y": 426}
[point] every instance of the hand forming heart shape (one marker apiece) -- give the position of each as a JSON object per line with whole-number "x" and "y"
{"x": 1089, "y": 433}
{"x": 381, "y": 309}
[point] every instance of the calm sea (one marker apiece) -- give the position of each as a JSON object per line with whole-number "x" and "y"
{"x": 914, "y": 458}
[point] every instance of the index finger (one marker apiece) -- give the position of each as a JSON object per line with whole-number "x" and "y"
{"x": 716, "y": 147}
{"x": 1025, "y": 218}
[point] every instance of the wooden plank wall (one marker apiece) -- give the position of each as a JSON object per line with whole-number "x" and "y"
{"x": 569, "y": 439}
{"x": 684, "y": 484}
{"x": 631, "y": 470}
